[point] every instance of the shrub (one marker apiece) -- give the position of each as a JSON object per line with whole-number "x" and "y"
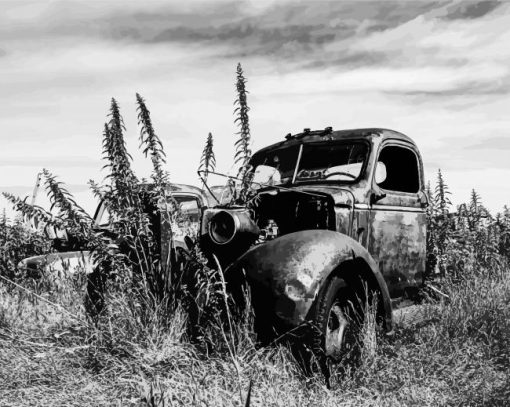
{"x": 17, "y": 242}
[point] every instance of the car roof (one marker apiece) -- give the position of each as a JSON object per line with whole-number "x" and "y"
{"x": 185, "y": 188}
{"x": 207, "y": 195}
{"x": 337, "y": 135}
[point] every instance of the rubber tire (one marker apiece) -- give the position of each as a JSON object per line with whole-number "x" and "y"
{"x": 336, "y": 288}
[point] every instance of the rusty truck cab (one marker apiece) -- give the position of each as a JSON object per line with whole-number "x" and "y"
{"x": 382, "y": 207}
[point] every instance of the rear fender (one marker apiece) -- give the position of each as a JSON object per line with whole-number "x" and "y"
{"x": 290, "y": 270}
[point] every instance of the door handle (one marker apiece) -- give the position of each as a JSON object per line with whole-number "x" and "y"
{"x": 423, "y": 199}
{"x": 376, "y": 196}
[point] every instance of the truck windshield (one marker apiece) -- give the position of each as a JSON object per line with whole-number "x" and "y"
{"x": 341, "y": 162}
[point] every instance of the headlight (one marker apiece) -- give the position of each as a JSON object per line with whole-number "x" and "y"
{"x": 225, "y": 225}
{"x": 222, "y": 227}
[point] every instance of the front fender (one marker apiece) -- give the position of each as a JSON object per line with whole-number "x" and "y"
{"x": 291, "y": 269}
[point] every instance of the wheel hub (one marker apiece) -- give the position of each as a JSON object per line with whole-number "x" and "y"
{"x": 336, "y": 331}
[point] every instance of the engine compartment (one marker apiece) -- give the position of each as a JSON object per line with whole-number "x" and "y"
{"x": 292, "y": 211}
{"x": 228, "y": 232}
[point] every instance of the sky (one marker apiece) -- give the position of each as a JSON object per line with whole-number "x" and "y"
{"x": 437, "y": 71}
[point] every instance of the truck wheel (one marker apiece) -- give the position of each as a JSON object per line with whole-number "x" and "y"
{"x": 334, "y": 328}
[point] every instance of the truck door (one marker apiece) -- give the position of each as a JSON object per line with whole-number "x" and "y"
{"x": 397, "y": 225}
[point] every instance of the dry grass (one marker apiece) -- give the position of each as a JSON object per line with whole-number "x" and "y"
{"x": 460, "y": 356}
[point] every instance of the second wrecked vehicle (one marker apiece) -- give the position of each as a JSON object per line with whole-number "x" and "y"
{"x": 334, "y": 215}
{"x": 70, "y": 256}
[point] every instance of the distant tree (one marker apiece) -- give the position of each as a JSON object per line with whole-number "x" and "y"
{"x": 485, "y": 234}
{"x": 441, "y": 199}
{"x": 442, "y": 206}
{"x": 504, "y": 233}
{"x": 475, "y": 202}
{"x": 475, "y": 211}
{"x": 431, "y": 234}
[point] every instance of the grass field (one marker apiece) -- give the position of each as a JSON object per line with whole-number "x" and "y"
{"x": 50, "y": 356}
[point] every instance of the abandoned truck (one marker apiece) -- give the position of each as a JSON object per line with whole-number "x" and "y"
{"x": 334, "y": 215}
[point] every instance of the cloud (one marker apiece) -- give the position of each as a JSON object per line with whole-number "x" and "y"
{"x": 491, "y": 143}
{"x": 470, "y": 9}
{"x": 497, "y": 86}
{"x": 427, "y": 80}
{"x": 465, "y": 58}
{"x": 471, "y": 150}
{"x": 350, "y": 59}
{"x": 55, "y": 161}
{"x": 303, "y": 35}
{"x": 283, "y": 29}
{"x": 24, "y": 190}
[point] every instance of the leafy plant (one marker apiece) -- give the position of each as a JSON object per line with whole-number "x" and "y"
{"x": 243, "y": 151}
{"x": 442, "y": 205}
{"x": 17, "y": 242}
{"x": 207, "y": 160}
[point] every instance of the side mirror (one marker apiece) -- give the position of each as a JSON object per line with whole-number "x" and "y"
{"x": 380, "y": 173}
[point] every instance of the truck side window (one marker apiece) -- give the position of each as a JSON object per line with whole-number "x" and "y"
{"x": 402, "y": 173}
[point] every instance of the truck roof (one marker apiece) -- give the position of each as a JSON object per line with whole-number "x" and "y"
{"x": 336, "y": 135}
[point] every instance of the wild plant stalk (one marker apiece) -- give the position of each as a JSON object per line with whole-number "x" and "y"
{"x": 167, "y": 207}
{"x": 73, "y": 215}
{"x": 242, "y": 145}
{"x": 32, "y": 211}
{"x": 208, "y": 160}
{"x": 140, "y": 210}
{"x": 122, "y": 199}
